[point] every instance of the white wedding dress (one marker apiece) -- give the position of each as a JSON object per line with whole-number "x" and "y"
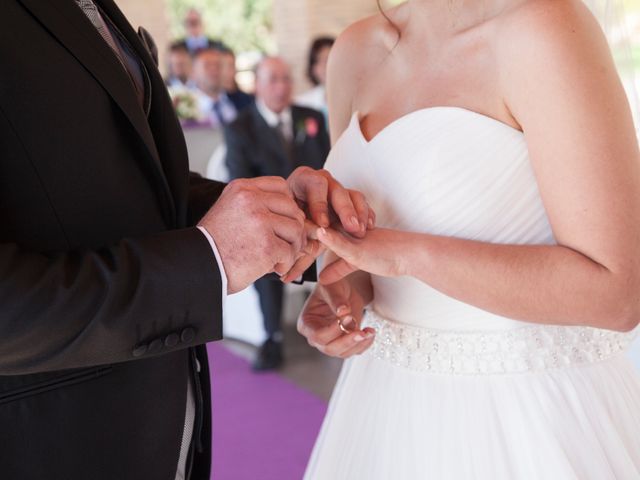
{"x": 449, "y": 391}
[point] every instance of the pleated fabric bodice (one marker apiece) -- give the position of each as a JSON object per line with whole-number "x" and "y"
{"x": 444, "y": 171}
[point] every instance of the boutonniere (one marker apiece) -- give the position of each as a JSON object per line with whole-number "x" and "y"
{"x": 307, "y": 128}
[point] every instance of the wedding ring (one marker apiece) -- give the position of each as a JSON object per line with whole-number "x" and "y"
{"x": 343, "y": 328}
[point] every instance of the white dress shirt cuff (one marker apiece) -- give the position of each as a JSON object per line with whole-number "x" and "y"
{"x": 223, "y": 274}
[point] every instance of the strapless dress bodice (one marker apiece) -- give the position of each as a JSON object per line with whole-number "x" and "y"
{"x": 444, "y": 171}
{"x": 447, "y": 390}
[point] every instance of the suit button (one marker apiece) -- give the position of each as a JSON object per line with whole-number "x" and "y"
{"x": 140, "y": 350}
{"x": 188, "y": 334}
{"x": 155, "y": 346}
{"x": 171, "y": 340}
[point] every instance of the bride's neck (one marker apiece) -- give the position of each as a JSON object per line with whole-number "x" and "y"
{"x": 447, "y": 17}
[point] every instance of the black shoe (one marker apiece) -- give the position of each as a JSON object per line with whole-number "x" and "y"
{"x": 269, "y": 356}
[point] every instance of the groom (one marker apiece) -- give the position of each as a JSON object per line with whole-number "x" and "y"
{"x": 108, "y": 290}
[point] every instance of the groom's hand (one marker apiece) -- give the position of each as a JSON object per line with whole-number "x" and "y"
{"x": 258, "y": 228}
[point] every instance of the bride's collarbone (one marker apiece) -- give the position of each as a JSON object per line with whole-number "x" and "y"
{"x": 393, "y": 92}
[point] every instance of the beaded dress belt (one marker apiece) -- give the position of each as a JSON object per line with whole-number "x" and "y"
{"x": 520, "y": 350}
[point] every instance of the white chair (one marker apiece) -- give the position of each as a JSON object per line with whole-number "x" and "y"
{"x": 216, "y": 167}
{"x": 202, "y": 141}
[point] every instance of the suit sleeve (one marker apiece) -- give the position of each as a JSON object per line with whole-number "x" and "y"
{"x": 139, "y": 298}
{"x": 238, "y": 159}
{"x": 203, "y": 193}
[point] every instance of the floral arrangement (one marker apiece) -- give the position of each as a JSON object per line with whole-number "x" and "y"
{"x": 185, "y": 104}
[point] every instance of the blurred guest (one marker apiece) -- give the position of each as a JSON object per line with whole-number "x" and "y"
{"x": 316, "y": 98}
{"x": 196, "y": 39}
{"x": 179, "y": 67}
{"x": 213, "y": 101}
{"x": 273, "y": 137}
{"x": 239, "y": 98}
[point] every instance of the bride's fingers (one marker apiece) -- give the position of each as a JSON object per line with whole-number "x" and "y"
{"x": 371, "y": 223}
{"x": 312, "y": 250}
{"x": 337, "y": 298}
{"x": 360, "y": 347}
{"x": 298, "y": 268}
{"x": 323, "y": 336}
{"x": 311, "y": 230}
{"x": 362, "y": 208}
{"x": 336, "y": 271}
{"x": 340, "y": 244}
{"x": 346, "y": 343}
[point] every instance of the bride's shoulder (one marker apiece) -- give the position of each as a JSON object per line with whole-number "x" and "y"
{"x": 367, "y": 42}
{"x": 544, "y": 37}
{"x": 354, "y": 57}
{"x": 546, "y": 23}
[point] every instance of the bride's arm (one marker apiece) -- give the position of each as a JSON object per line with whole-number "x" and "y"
{"x": 561, "y": 86}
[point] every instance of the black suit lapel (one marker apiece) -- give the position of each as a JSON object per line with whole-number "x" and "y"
{"x": 117, "y": 17}
{"x": 65, "y": 21}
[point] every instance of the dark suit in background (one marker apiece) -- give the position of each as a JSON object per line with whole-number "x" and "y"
{"x": 106, "y": 288}
{"x": 254, "y": 149}
{"x": 240, "y": 99}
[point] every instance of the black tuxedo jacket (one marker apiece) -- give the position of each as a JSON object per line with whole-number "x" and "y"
{"x": 255, "y": 149}
{"x": 106, "y": 288}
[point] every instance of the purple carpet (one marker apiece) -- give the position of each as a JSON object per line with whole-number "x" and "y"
{"x": 264, "y": 427}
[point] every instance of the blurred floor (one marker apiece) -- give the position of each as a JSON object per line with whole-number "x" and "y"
{"x": 304, "y": 366}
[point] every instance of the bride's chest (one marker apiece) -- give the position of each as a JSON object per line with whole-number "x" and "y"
{"x": 446, "y": 171}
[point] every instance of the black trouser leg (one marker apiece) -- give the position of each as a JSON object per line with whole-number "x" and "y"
{"x": 271, "y": 293}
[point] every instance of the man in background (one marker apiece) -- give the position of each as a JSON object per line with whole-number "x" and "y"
{"x": 273, "y": 137}
{"x": 213, "y": 101}
{"x": 195, "y": 39}
{"x": 179, "y": 67}
{"x": 240, "y": 99}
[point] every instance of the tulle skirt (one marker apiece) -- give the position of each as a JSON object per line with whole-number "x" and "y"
{"x": 385, "y": 421}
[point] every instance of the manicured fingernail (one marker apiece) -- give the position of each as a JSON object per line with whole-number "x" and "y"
{"x": 342, "y": 310}
{"x": 354, "y": 221}
{"x": 324, "y": 220}
{"x": 348, "y": 322}
{"x": 358, "y": 338}
{"x": 322, "y": 231}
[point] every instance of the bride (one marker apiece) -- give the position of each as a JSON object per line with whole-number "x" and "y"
{"x": 495, "y": 142}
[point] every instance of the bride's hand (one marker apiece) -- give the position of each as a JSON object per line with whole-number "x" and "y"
{"x": 380, "y": 253}
{"x": 326, "y": 307}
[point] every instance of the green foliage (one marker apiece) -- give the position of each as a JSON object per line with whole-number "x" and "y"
{"x": 244, "y": 25}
